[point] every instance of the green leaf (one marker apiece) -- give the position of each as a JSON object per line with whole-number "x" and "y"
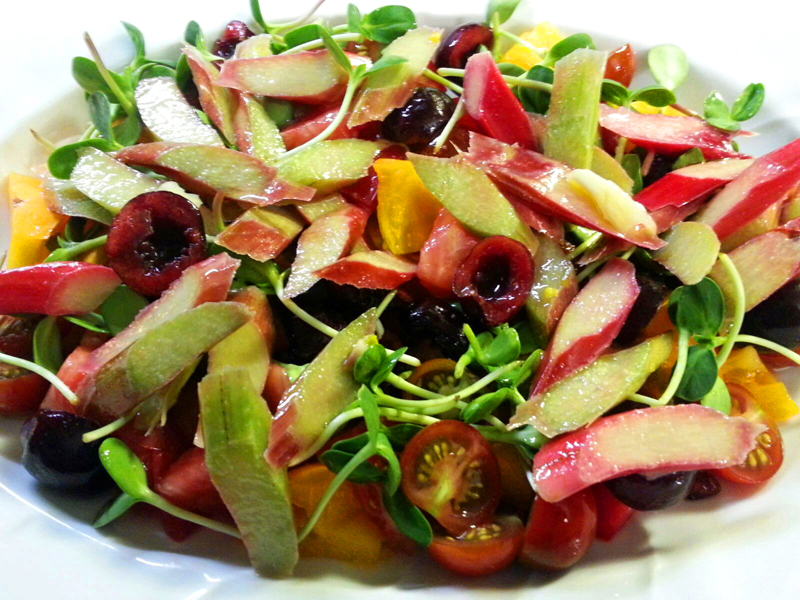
{"x": 193, "y": 35}
{"x": 717, "y": 113}
{"x": 483, "y": 406}
{"x": 749, "y": 102}
{"x": 408, "y": 518}
{"x": 280, "y": 111}
{"x": 537, "y": 101}
{"x": 688, "y": 158}
{"x": 255, "y": 10}
{"x": 700, "y": 375}
{"x": 87, "y": 75}
{"x": 614, "y": 92}
{"x": 127, "y": 133}
{"x": 511, "y": 69}
{"x": 336, "y": 460}
{"x": 567, "y": 46}
{"x": 301, "y": 35}
{"x": 92, "y": 322}
{"x": 504, "y": 348}
{"x": 698, "y": 309}
{"x": 121, "y": 307}
{"x": 385, "y": 62}
{"x": 394, "y": 474}
{"x": 368, "y": 363}
{"x": 668, "y": 65}
{"x": 527, "y": 338}
{"x": 353, "y": 18}
{"x": 386, "y": 367}
{"x": 63, "y": 159}
{"x": 388, "y": 23}
{"x": 372, "y": 416}
{"x": 115, "y": 510}
{"x": 633, "y": 167}
{"x": 654, "y": 95}
{"x": 100, "y": 114}
{"x": 719, "y": 398}
{"x": 137, "y": 38}
{"x": 400, "y": 435}
{"x": 503, "y": 8}
{"x": 47, "y": 345}
{"x": 183, "y": 74}
{"x": 151, "y": 70}
{"x": 336, "y": 52}
{"x": 125, "y": 468}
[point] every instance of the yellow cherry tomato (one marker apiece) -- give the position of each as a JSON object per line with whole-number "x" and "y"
{"x": 406, "y": 209}
{"x": 32, "y": 221}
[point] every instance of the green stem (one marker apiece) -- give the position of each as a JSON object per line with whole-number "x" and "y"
{"x": 521, "y": 42}
{"x": 589, "y": 243}
{"x": 509, "y": 79}
{"x": 433, "y": 76}
{"x": 738, "y": 310}
{"x": 64, "y": 254}
{"x": 405, "y": 386}
{"x": 313, "y": 44}
{"x": 751, "y": 339}
{"x": 512, "y": 437}
{"x": 48, "y": 145}
{"x": 442, "y": 138}
{"x": 589, "y": 269}
{"x": 677, "y": 374}
{"x": 107, "y": 430}
{"x": 123, "y": 100}
{"x": 159, "y": 502}
{"x": 385, "y": 303}
{"x": 276, "y": 27}
{"x": 41, "y": 372}
{"x": 495, "y": 25}
{"x": 619, "y": 153}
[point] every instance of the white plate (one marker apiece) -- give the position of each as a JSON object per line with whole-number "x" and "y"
{"x": 734, "y": 546}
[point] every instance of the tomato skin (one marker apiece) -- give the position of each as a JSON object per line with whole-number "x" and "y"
{"x": 431, "y": 375}
{"x": 765, "y": 460}
{"x": 21, "y": 392}
{"x": 621, "y": 65}
{"x": 559, "y": 534}
{"x": 370, "y": 497}
{"x": 72, "y": 373}
{"x": 471, "y": 555}
{"x": 612, "y": 515}
{"x": 450, "y": 471}
{"x": 187, "y": 483}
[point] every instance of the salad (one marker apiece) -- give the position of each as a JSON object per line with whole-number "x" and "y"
{"x": 371, "y": 288}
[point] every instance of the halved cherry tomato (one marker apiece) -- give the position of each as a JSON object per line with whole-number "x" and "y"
{"x": 370, "y": 496}
{"x": 435, "y": 375}
{"x": 612, "y": 515}
{"x": 621, "y": 65}
{"x": 559, "y": 534}
{"x": 20, "y": 391}
{"x": 767, "y": 457}
{"x": 450, "y": 471}
{"x": 187, "y": 483}
{"x": 16, "y": 335}
{"x": 481, "y": 550}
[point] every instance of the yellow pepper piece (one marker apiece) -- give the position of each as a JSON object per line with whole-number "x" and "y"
{"x": 32, "y": 222}
{"x": 544, "y": 35}
{"x": 343, "y": 531}
{"x": 406, "y": 209}
{"x": 745, "y": 368}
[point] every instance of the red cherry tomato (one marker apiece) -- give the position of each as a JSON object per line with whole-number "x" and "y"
{"x": 435, "y": 375}
{"x": 767, "y": 457}
{"x": 621, "y": 65}
{"x": 612, "y": 515}
{"x": 482, "y": 550}
{"x": 187, "y": 483}
{"x": 559, "y": 534}
{"x": 450, "y": 471}
{"x": 20, "y": 391}
{"x": 16, "y": 335}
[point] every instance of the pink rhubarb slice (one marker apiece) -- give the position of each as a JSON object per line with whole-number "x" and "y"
{"x": 373, "y": 269}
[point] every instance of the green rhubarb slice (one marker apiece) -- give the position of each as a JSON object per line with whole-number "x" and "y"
{"x": 236, "y": 424}
{"x": 554, "y": 286}
{"x": 330, "y": 165}
{"x": 245, "y": 348}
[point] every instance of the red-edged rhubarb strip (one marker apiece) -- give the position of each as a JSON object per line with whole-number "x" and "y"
{"x": 324, "y": 242}
{"x": 590, "y": 323}
{"x": 256, "y": 133}
{"x": 554, "y": 286}
{"x": 373, "y": 269}
{"x": 669, "y": 135}
{"x": 691, "y": 183}
{"x": 311, "y": 125}
{"x": 491, "y": 103}
{"x": 319, "y": 395}
{"x": 261, "y": 233}
{"x": 58, "y": 288}
{"x": 217, "y": 101}
{"x": 765, "y": 264}
{"x": 687, "y": 437}
{"x": 545, "y": 183}
{"x": 537, "y": 220}
{"x": 762, "y": 184}
{"x": 446, "y": 248}
{"x": 691, "y": 251}
{"x": 207, "y": 170}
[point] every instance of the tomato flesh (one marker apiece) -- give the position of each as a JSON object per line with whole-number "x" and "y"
{"x": 21, "y": 392}
{"x": 621, "y": 65}
{"x": 767, "y": 457}
{"x": 482, "y": 550}
{"x": 435, "y": 375}
{"x": 559, "y": 534}
{"x": 450, "y": 471}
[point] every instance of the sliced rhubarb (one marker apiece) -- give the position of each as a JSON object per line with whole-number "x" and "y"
{"x": 391, "y": 88}
{"x": 245, "y": 348}
{"x": 207, "y": 170}
{"x": 584, "y": 396}
{"x": 491, "y": 103}
{"x": 574, "y": 108}
{"x": 217, "y": 101}
{"x": 691, "y": 251}
{"x": 312, "y": 124}
{"x": 158, "y": 357}
{"x": 261, "y": 233}
{"x": 323, "y": 390}
{"x": 691, "y": 183}
{"x": 256, "y": 133}
{"x": 446, "y": 248}
{"x": 765, "y": 222}
{"x": 312, "y": 211}
{"x": 545, "y": 183}
{"x": 324, "y": 242}
{"x": 109, "y": 182}
{"x": 765, "y": 264}
{"x": 308, "y": 77}
{"x": 373, "y": 269}
{"x": 668, "y": 135}
{"x": 472, "y": 198}
{"x": 687, "y": 437}
{"x": 537, "y": 220}
{"x": 169, "y": 117}
{"x": 604, "y": 165}
{"x": 330, "y": 165}
{"x": 762, "y": 184}
{"x": 256, "y": 300}
{"x": 590, "y": 323}
{"x": 554, "y": 286}
{"x": 57, "y": 288}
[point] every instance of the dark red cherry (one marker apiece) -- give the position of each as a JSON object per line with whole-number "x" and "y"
{"x": 462, "y": 43}
{"x": 422, "y": 118}
{"x": 153, "y": 239}
{"x": 235, "y": 32}
{"x": 495, "y": 279}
